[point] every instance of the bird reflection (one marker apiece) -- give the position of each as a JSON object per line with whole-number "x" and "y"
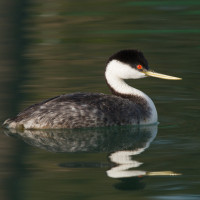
{"x": 112, "y": 139}
{"x": 124, "y": 160}
{"x": 121, "y": 142}
{"x": 131, "y": 179}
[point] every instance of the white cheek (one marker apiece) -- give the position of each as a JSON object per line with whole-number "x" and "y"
{"x": 124, "y": 71}
{"x": 135, "y": 74}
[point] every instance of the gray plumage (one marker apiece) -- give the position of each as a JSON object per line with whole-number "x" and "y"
{"x": 81, "y": 110}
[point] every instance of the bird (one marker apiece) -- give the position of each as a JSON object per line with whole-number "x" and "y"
{"x": 125, "y": 106}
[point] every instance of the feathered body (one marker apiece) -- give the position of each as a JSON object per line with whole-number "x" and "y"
{"x": 82, "y": 110}
{"x": 126, "y": 105}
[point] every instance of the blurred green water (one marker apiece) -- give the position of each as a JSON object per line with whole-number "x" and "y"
{"x": 54, "y": 47}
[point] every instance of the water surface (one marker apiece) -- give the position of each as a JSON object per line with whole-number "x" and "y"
{"x": 55, "y": 47}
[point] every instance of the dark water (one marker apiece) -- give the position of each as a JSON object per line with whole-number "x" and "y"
{"x": 54, "y": 47}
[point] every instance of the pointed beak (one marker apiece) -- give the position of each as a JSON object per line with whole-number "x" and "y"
{"x": 163, "y": 76}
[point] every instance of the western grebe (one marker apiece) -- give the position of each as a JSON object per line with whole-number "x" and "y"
{"x": 126, "y": 106}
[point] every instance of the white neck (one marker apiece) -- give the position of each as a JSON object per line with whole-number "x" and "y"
{"x": 116, "y": 72}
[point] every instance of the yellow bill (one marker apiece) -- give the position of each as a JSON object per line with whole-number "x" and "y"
{"x": 163, "y": 76}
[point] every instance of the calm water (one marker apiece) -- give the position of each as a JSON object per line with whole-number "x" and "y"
{"x": 54, "y": 47}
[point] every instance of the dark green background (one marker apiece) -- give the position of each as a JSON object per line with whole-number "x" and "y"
{"x": 52, "y": 47}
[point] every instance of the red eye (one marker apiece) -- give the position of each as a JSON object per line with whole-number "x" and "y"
{"x": 139, "y": 66}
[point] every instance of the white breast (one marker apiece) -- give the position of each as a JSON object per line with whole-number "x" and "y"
{"x": 115, "y": 72}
